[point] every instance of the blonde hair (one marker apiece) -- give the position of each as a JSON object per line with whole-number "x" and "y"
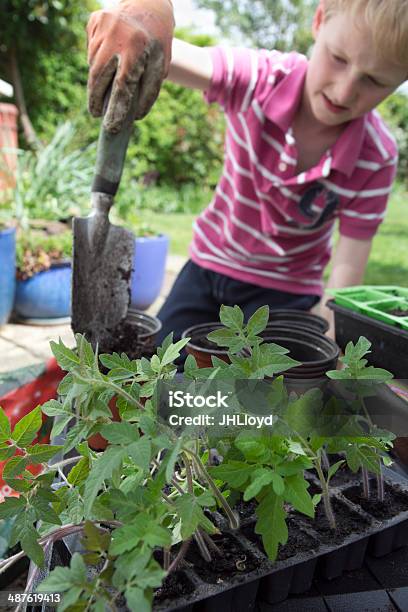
{"x": 387, "y": 20}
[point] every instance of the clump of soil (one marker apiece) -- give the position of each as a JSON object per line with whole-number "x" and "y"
{"x": 395, "y": 500}
{"x": 246, "y": 510}
{"x": 233, "y": 562}
{"x": 347, "y": 520}
{"x": 175, "y": 585}
{"x": 298, "y": 540}
{"x": 397, "y": 312}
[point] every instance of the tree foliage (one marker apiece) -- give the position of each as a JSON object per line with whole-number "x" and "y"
{"x": 395, "y": 112}
{"x": 273, "y": 24}
{"x": 48, "y": 40}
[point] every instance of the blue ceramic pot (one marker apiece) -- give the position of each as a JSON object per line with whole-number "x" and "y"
{"x": 149, "y": 265}
{"x": 7, "y": 272}
{"x": 46, "y": 295}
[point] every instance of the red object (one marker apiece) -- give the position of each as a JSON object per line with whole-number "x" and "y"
{"x": 19, "y": 402}
{"x": 8, "y": 142}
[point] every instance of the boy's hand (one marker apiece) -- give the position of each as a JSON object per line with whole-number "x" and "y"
{"x": 129, "y": 48}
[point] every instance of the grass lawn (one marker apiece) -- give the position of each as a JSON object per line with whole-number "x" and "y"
{"x": 388, "y": 264}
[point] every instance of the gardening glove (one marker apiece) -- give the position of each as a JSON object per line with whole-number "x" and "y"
{"x": 129, "y": 52}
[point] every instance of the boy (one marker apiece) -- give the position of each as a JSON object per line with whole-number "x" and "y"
{"x": 303, "y": 148}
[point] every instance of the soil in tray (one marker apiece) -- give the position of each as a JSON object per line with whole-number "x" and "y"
{"x": 246, "y": 510}
{"x": 175, "y": 585}
{"x": 395, "y": 500}
{"x": 233, "y": 562}
{"x": 298, "y": 540}
{"x": 347, "y": 521}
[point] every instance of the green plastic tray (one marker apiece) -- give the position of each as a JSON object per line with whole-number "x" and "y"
{"x": 375, "y": 302}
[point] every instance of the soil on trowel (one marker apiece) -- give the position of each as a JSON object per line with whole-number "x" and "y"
{"x": 123, "y": 339}
{"x": 347, "y": 521}
{"x": 229, "y": 566}
{"x": 395, "y": 500}
{"x": 175, "y": 585}
{"x": 298, "y": 540}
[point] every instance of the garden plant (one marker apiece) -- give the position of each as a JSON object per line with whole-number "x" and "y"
{"x": 160, "y": 499}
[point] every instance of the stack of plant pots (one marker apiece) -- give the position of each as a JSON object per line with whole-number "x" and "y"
{"x": 302, "y": 333}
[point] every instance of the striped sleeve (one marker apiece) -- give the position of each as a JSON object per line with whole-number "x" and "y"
{"x": 237, "y": 75}
{"x": 362, "y": 215}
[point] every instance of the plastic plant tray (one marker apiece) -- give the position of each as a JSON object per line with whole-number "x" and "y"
{"x": 274, "y": 582}
{"x": 375, "y": 302}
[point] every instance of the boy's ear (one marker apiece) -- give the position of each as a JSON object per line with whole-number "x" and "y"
{"x": 318, "y": 19}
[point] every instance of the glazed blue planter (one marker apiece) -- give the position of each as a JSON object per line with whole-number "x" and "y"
{"x": 46, "y": 295}
{"x": 149, "y": 265}
{"x": 7, "y": 272}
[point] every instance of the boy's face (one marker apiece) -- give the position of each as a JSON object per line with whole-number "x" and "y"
{"x": 345, "y": 77}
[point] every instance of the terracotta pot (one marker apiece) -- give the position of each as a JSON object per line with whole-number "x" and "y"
{"x": 201, "y": 348}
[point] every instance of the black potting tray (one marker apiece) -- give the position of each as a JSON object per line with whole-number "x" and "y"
{"x": 274, "y": 582}
{"x": 389, "y": 348}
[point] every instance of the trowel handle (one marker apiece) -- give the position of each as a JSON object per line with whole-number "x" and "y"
{"x": 111, "y": 154}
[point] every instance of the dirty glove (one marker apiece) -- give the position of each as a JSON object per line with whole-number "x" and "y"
{"x": 129, "y": 50}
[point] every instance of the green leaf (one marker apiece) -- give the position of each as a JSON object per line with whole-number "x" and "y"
{"x": 5, "y": 430}
{"x": 141, "y": 451}
{"x": 260, "y": 478}
{"x": 120, "y": 433}
{"x": 142, "y": 529}
{"x": 191, "y": 515}
{"x": 26, "y": 429}
{"x": 15, "y": 466}
{"x": 11, "y": 506}
{"x": 110, "y": 460}
{"x": 296, "y": 493}
{"x": 6, "y": 452}
{"x": 75, "y": 435}
{"x": 138, "y": 600}
{"x": 173, "y": 351}
{"x": 271, "y": 524}
{"x": 28, "y": 537}
{"x": 171, "y": 462}
{"x": 333, "y": 469}
{"x": 41, "y": 453}
{"x": 61, "y": 579}
{"x": 222, "y": 337}
{"x": 54, "y": 408}
{"x": 79, "y": 472}
{"x": 66, "y": 358}
{"x": 232, "y": 317}
{"x": 59, "y": 424}
{"x": 258, "y": 321}
{"x": 234, "y": 473}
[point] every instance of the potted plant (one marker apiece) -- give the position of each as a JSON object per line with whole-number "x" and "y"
{"x": 158, "y": 518}
{"x": 51, "y": 184}
{"x": 7, "y": 271}
{"x": 43, "y": 291}
{"x": 150, "y": 255}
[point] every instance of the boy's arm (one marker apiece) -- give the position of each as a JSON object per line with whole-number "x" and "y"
{"x": 191, "y": 66}
{"x": 349, "y": 265}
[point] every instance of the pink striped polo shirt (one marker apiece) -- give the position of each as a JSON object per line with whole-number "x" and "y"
{"x": 267, "y": 225}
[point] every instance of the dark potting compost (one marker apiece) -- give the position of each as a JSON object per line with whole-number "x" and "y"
{"x": 299, "y": 540}
{"x": 348, "y": 522}
{"x": 395, "y": 500}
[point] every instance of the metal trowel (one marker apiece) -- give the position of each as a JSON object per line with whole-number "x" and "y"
{"x": 103, "y": 252}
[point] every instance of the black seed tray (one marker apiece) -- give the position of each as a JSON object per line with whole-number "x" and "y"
{"x": 389, "y": 344}
{"x": 273, "y": 582}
